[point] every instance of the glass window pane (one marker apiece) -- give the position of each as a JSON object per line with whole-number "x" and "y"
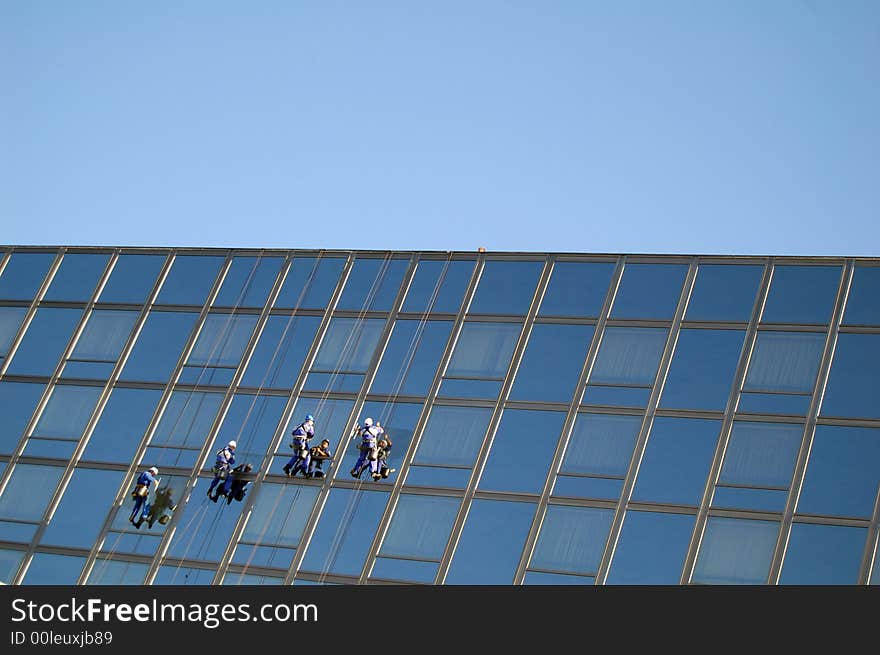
{"x": 67, "y": 411}
{"x": 77, "y": 277}
{"x": 491, "y": 543}
{"x": 724, "y": 292}
{"x": 373, "y": 284}
{"x": 843, "y": 472}
{"x": 190, "y": 280}
{"x": 651, "y": 549}
{"x": 649, "y": 291}
{"x": 577, "y": 289}
{"x": 44, "y": 342}
{"x": 616, "y": 396}
{"x": 438, "y": 286}
{"x": 207, "y": 539}
{"x": 552, "y": 362}
{"x": 575, "y": 486}
{"x": 122, "y": 425}
{"x": 541, "y": 578}
{"x": 248, "y": 281}
{"x": 676, "y": 461}
{"x": 407, "y": 570}
{"x": 348, "y": 344}
{"x": 17, "y": 404}
{"x": 23, "y": 275}
{"x": 785, "y": 361}
{"x": 862, "y": 307}
{"x": 310, "y": 282}
{"x": 572, "y": 539}
{"x": 233, "y": 578}
{"x": 104, "y": 335}
{"x": 452, "y": 436}
{"x": 420, "y": 527}
{"x": 761, "y": 454}
{"x": 183, "y": 428}
{"x": 852, "y": 387}
{"x": 506, "y": 287}
{"x": 801, "y": 294}
{"x": 281, "y": 351}
{"x": 521, "y": 451}
{"x": 9, "y": 563}
{"x": 28, "y": 492}
{"x": 182, "y": 575}
{"x": 279, "y": 515}
{"x": 736, "y": 551}
{"x": 629, "y": 356}
{"x": 411, "y": 357}
{"x": 483, "y": 350}
{"x": 823, "y": 554}
{"x": 49, "y": 569}
{"x": 702, "y": 369}
{"x": 117, "y": 572}
{"x": 132, "y": 278}
{"x": 601, "y": 444}
{"x": 158, "y": 346}
{"x": 10, "y": 321}
{"x": 83, "y": 508}
{"x": 338, "y": 545}
{"x": 251, "y": 421}
{"x": 222, "y": 340}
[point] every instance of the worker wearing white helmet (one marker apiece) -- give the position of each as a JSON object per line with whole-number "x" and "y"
{"x": 369, "y": 433}
{"x": 222, "y": 466}
{"x": 141, "y": 493}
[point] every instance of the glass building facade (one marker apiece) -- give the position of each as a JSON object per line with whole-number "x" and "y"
{"x": 556, "y": 418}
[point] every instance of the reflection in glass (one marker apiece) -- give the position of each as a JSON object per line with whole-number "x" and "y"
{"x": 50, "y": 569}
{"x": 577, "y": 289}
{"x": 159, "y": 346}
{"x": 190, "y": 280}
{"x": 420, "y": 527}
{"x": 372, "y": 284}
{"x": 23, "y": 274}
{"x": 852, "y": 387}
{"x": 506, "y": 287}
{"x": 572, "y": 539}
{"x": 77, "y": 277}
{"x": 649, "y": 291}
{"x": 552, "y": 362}
{"x": 438, "y": 286}
{"x": 280, "y": 352}
{"x": 651, "y": 549}
{"x": 801, "y": 294}
{"x": 132, "y": 278}
{"x": 117, "y": 572}
{"x": 10, "y": 321}
{"x": 248, "y": 281}
{"x": 862, "y": 307}
{"x": 411, "y": 357}
{"x": 45, "y": 340}
{"x": 736, "y": 551}
{"x": 17, "y": 404}
{"x": 702, "y": 369}
{"x": 310, "y": 282}
{"x": 122, "y": 425}
{"x": 218, "y": 349}
{"x": 724, "y": 292}
{"x": 823, "y": 554}
{"x": 28, "y": 492}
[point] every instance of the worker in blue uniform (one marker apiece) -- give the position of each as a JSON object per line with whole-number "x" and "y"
{"x": 368, "y": 446}
{"x": 302, "y": 434}
{"x": 222, "y": 467}
{"x": 145, "y": 482}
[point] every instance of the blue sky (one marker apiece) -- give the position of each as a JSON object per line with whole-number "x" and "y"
{"x": 743, "y": 127}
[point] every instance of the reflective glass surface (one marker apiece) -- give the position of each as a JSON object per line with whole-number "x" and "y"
{"x": 190, "y": 280}
{"x": 862, "y": 307}
{"x": 281, "y": 351}
{"x": 10, "y": 320}
{"x": 823, "y": 555}
{"x": 121, "y": 425}
{"x": 801, "y": 294}
{"x": 77, "y": 277}
{"x": 552, "y": 362}
{"x": 649, "y": 291}
{"x": 651, "y": 549}
{"x": 23, "y": 275}
{"x": 577, "y": 289}
{"x": 438, "y": 286}
{"x": 411, "y": 357}
{"x": 17, "y": 404}
{"x": 248, "y": 281}
{"x": 724, "y": 292}
{"x": 44, "y": 342}
{"x": 372, "y": 284}
{"x": 735, "y": 551}
{"x": 310, "y": 282}
{"x": 702, "y": 370}
{"x": 132, "y": 278}
{"x": 506, "y": 287}
{"x": 158, "y": 346}
{"x": 851, "y": 389}
{"x": 83, "y": 508}
{"x": 572, "y": 539}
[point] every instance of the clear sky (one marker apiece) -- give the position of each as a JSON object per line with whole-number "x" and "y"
{"x": 743, "y": 127}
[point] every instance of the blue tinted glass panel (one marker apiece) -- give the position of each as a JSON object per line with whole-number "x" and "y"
{"x": 430, "y": 476}
{"x": 23, "y": 275}
{"x": 583, "y": 487}
{"x": 17, "y": 404}
{"x": 785, "y": 361}
{"x": 552, "y": 362}
{"x": 629, "y": 356}
{"x": 823, "y": 554}
{"x": 486, "y": 389}
{"x": 452, "y": 436}
{"x": 572, "y": 539}
{"x": 83, "y": 508}
{"x": 280, "y": 514}
{"x": 601, "y": 444}
{"x": 28, "y": 492}
{"x": 420, "y": 527}
{"x": 185, "y": 423}
{"x": 491, "y": 543}
{"x": 651, "y": 549}
{"x": 773, "y": 403}
{"x": 761, "y": 454}
{"x": 178, "y": 575}
{"x": 736, "y": 551}
{"x": 862, "y": 307}
{"x": 207, "y": 539}
{"x": 132, "y": 278}
{"x": 649, "y": 291}
{"x": 506, "y": 288}
{"x": 338, "y": 382}
{"x": 310, "y": 282}
{"x": 251, "y": 421}
{"x": 438, "y": 286}
{"x": 373, "y": 284}
{"x": 67, "y": 411}
{"x": 331, "y": 423}
{"x": 116, "y": 572}
{"x": 190, "y": 280}
{"x": 842, "y": 473}
{"x": 852, "y": 387}
{"x": 483, "y": 350}
{"x": 122, "y": 425}
{"x": 9, "y": 563}
{"x": 77, "y": 277}
{"x": 764, "y": 500}
{"x": 104, "y": 335}
{"x": 702, "y": 369}
{"x": 676, "y": 461}
{"x": 348, "y": 345}
{"x": 577, "y": 289}
{"x": 248, "y": 281}
{"x": 222, "y": 340}
{"x": 158, "y": 346}
{"x": 404, "y": 570}
{"x": 10, "y": 321}
{"x": 278, "y": 358}
{"x": 411, "y": 357}
{"x": 338, "y": 545}
{"x": 233, "y": 578}
{"x": 724, "y": 292}
{"x": 801, "y": 294}
{"x": 398, "y": 420}
{"x": 616, "y": 396}
{"x": 541, "y": 578}
{"x": 44, "y": 342}
{"x": 48, "y": 569}
{"x": 521, "y": 451}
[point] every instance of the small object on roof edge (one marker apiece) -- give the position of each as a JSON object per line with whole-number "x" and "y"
{"x": 481, "y": 249}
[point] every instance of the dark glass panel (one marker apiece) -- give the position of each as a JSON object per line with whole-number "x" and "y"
{"x": 724, "y": 292}
{"x": 823, "y": 555}
{"x": 862, "y": 307}
{"x": 577, "y": 289}
{"x": 23, "y": 275}
{"x": 506, "y": 287}
{"x": 702, "y": 369}
{"x": 132, "y": 278}
{"x": 158, "y": 346}
{"x": 122, "y": 425}
{"x": 44, "y": 342}
{"x": 77, "y": 277}
{"x": 310, "y": 282}
{"x": 649, "y": 291}
{"x": 411, "y": 357}
{"x": 190, "y": 280}
{"x": 438, "y": 286}
{"x": 801, "y": 294}
{"x": 736, "y": 551}
{"x": 852, "y": 387}
{"x": 651, "y": 549}
{"x": 552, "y": 362}
{"x": 248, "y": 281}
{"x": 373, "y": 284}
{"x": 281, "y": 351}
{"x": 17, "y": 404}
